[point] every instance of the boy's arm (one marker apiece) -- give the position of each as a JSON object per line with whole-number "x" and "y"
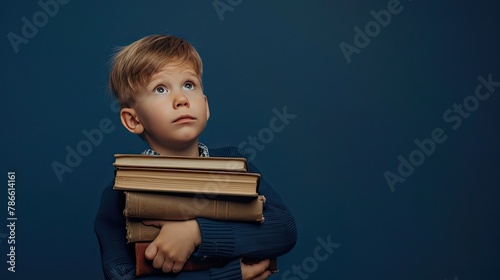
{"x": 116, "y": 256}
{"x": 118, "y": 261}
{"x": 274, "y": 237}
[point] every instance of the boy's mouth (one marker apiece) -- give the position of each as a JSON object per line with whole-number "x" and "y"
{"x": 184, "y": 118}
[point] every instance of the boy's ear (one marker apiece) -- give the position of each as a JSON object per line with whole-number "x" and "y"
{"x": 207, "y": 107}
{"x": 130, "y": 121}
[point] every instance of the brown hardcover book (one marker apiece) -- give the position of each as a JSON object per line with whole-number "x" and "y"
{"x": 201, "y": 163}
{"x": 187, "y": 181}
{"x": 144, "y": 266}
{"x": 183, "y": 207}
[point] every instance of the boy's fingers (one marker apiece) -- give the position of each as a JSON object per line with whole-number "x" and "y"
{"x": 177, "y": 267}
{"x": 159, "y": 262}
{"x": 251, "y": 271}
{"x": 262, "y": 265}
{"x": 151, "y": 251}
{"x": 263, "y": 276}
{"x": 167, "y": 266}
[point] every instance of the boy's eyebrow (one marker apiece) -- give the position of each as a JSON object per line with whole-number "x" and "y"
{"x": 190, "y": 72}
{"x": 192, "y": 75}
{"x": 154, "y": 79}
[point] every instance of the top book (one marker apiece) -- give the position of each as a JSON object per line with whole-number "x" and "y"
{"x": 178, "y": 162}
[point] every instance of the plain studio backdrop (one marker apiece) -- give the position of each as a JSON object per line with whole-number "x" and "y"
{"x": 376, "y": 121}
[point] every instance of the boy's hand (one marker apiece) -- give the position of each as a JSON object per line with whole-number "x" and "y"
{"x": 174, "y": 244}
{"x": 255, "y": 271}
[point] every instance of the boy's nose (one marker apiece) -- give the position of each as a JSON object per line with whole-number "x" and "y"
{"x": 180, "y": 100}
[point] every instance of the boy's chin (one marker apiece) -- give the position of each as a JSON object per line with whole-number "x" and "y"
{"x": 187, "y": 139}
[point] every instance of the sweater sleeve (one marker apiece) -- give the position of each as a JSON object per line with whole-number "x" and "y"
{"x": 276, "y": 236}
{"x": 117, "y": 257}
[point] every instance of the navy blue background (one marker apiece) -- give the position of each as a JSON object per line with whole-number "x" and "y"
{"x": 352, "y": 122}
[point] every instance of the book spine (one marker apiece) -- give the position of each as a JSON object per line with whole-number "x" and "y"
{"x": 137, "y": 231}
{"x": 187, "y": 181}
{"x": 174, "y": 207}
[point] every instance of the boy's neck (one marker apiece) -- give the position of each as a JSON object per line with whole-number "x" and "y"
{"x": 190, "y": 150}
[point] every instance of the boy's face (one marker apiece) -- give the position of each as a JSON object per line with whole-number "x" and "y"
{"x": 171, "y": 110}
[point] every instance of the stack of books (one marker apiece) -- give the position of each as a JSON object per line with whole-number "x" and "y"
{"x": 182, "y": 188}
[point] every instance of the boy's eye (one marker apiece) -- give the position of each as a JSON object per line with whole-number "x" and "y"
{"x": 189, "y": 85}
{"x": 160, "y": 90}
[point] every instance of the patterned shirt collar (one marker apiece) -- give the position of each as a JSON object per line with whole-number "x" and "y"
{"x": 202, "y": 149}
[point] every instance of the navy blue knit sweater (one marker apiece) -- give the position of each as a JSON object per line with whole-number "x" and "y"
{"x": 274, "y": 237}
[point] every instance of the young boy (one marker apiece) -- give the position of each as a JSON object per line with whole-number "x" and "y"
{"x": 157, "y": 81}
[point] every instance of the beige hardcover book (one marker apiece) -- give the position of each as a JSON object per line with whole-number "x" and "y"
{"x": 139, "y": 232}
{"x": 187, "y": 181}
{"x": 181, "y": 207}
{"x": 201, "y": 163}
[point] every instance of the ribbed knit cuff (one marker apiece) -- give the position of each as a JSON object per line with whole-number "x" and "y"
{"x": 216, "y": 239}
{"x": 232, "y": 271}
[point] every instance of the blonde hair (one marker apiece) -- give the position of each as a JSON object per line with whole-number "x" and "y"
{"x": 133, "y": 65}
